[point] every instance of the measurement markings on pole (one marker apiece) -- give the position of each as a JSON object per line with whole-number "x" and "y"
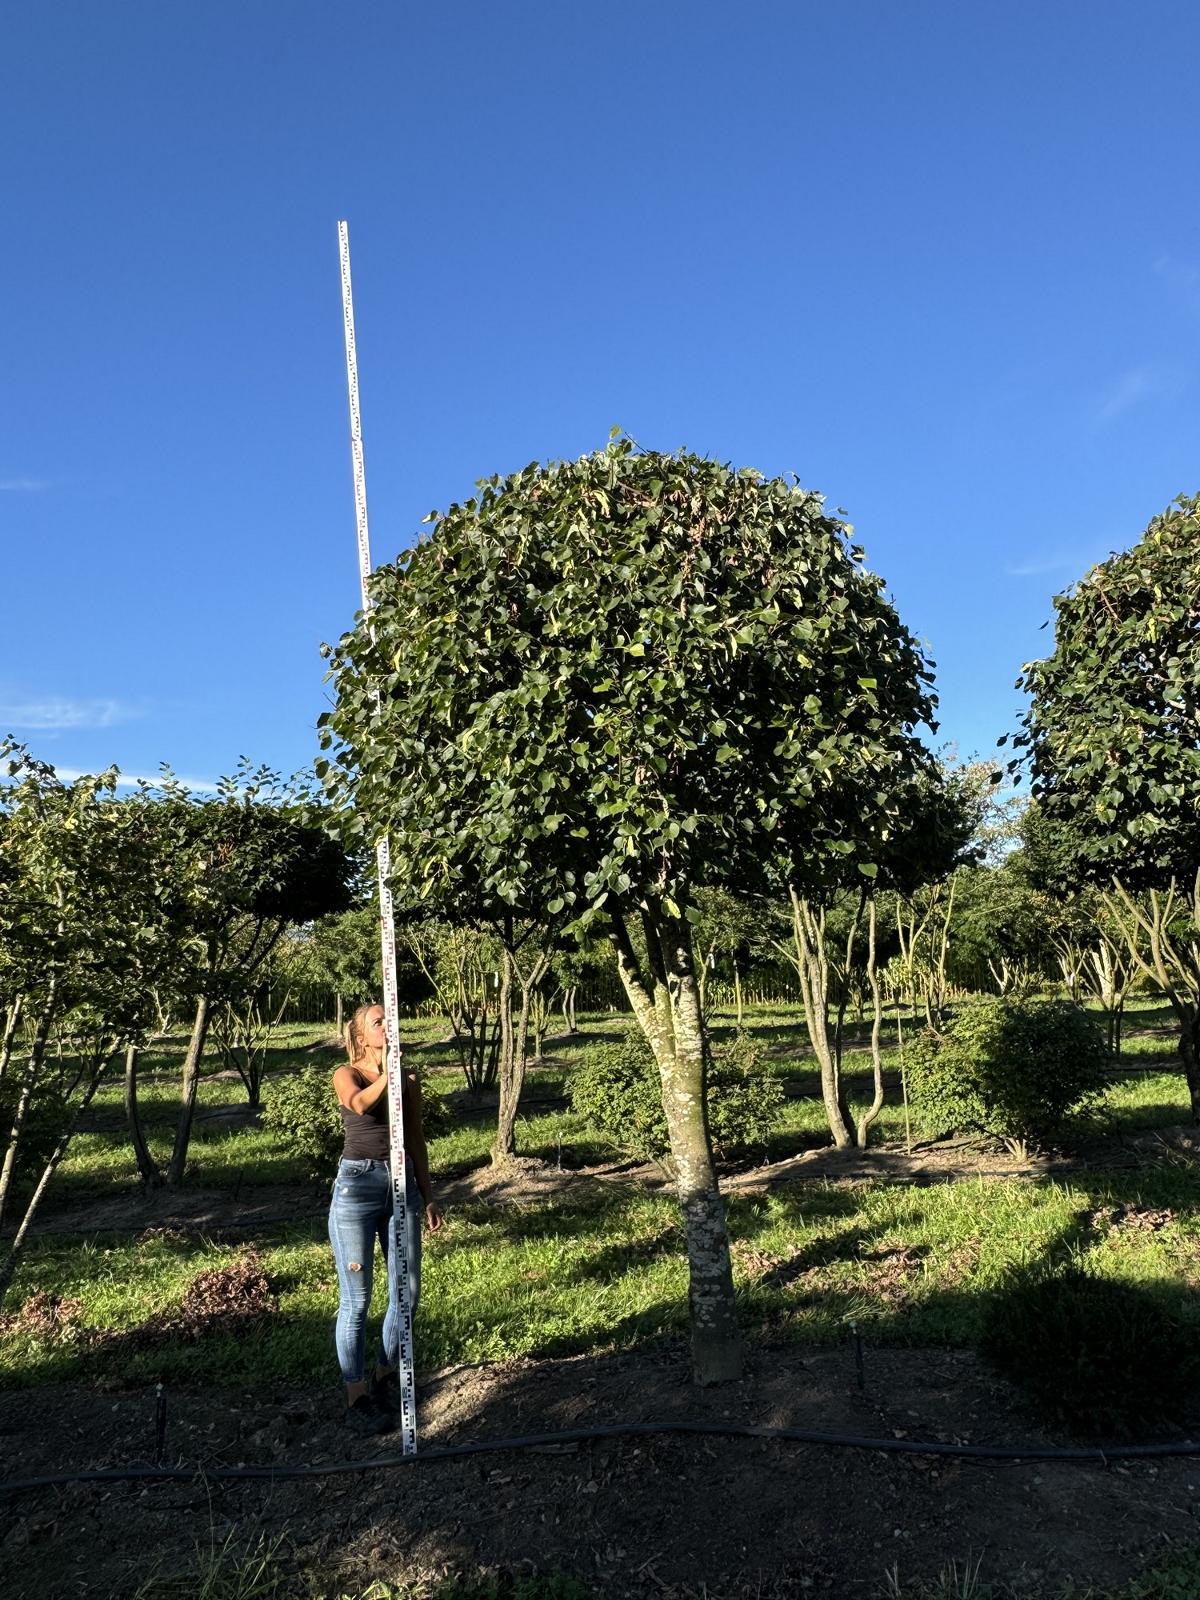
{"x": 391, "y": 1010}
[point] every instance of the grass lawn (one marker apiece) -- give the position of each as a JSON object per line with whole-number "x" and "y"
{"x": 602, "y": 1266}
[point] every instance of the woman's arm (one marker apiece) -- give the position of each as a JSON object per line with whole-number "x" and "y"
{"x": 352, "y": 1094}
{"x": 414, "y": 1139}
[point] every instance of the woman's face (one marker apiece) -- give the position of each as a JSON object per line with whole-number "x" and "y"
{"x": 374, "y": 1031}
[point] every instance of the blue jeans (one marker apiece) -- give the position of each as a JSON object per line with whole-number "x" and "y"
{"x": 360, "y": 1213}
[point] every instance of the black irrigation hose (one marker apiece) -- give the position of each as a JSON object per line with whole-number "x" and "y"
{"x": 1098, "y": 1455}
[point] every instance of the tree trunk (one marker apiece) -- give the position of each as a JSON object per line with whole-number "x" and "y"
{"x": 737, "y": 993}
{"x": 666, "y": 1003}
{"x": 512, "y": 1071}
{"x": 146, "y": 1164}
{"x": 716, "y": 1341}
{"x": 517, "y": 1050}
{"x": 812, "y": 969}
{"x": 33, "y": 1067}
{"x": 11, "y": 1020}
{"x": 1189, "y": 1054}
{"x": 191, "y": 1083}
{"x": 862, "y": 1127}
{"x": 9, "y": 1265}
{"x": 339, "y": 1015}
{"x": 1172, "y": 961}
{"x": 572, "y": 993}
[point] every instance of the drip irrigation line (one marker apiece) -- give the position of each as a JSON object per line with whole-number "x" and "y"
{"x": 1096, "y": 1455}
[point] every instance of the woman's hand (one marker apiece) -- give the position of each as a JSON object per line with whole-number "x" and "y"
{"x": 433, "y": 1217}
{"x": 355, "y": 1096}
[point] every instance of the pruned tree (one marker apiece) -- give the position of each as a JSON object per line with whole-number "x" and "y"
{"x": 1112, "y": 740}
{"x": 87, "y": 930}
{"x": 918, "y": 840}
{"x": 602, "y": 685}
{"x": 461, "y": 964}
{"x": 724, "y": 932}
{"x": 259, "y": 858}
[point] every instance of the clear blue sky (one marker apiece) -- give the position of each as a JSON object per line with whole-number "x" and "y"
{"x": 941, "y": 260}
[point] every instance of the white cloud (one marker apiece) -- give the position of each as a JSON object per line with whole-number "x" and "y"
{"x": 1129, "y": 390}
{"x": 130, "y": 780}
{"x": 55, "y": 714}
{"x": 22, "y": 485}
{"x": 1038, "y": 568}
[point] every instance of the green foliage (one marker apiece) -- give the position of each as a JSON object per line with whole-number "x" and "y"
{"x": 1011, "y": 1068}
{"x": 622, "y": 676}
{"x": 301, "y": 1109}
{"x": 1174, "y": 1577}
{"x": 1113, "y": 730}
{"x": 48, "y": 1113}
{"x": 341, "y": 952}
{"x": 437, "y": 1117}
{"x": 617, "y": 1090}
{"x": 1000, "y": 916}
{"x": 253, "y": 860}
{"x": 1104, "y": 1356}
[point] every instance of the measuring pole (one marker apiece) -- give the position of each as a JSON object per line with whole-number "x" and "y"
{"x": 387, "y": 927}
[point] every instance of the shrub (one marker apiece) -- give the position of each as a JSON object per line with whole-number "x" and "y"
{"x": 302, "y": 1111}
{"x": 1014, "y": 1068}
{"x": 1103, "y": 1356}
{"x": 617, "y": 1091}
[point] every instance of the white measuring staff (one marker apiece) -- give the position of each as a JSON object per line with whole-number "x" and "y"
{"x": 391, "y": 1009}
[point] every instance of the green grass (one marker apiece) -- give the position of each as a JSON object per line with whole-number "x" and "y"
{"x": 254, "y": 1567}
{"x": 602, "y": 1266}
{"x": 230, "y": 1156}
{"x": 1172, "y": 1577}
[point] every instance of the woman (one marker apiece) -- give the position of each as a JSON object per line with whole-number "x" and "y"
{"x": 361, "y": 1212}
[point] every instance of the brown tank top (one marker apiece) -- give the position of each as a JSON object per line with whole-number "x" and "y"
{"x": 366, "y": 1131}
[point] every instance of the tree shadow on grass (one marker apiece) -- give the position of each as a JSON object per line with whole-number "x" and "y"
{"x": 791, "y": 1285}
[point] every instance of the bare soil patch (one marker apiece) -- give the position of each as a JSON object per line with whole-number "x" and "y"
{"x": 637, "y": 1516}
{"x": 664, "y": 1516}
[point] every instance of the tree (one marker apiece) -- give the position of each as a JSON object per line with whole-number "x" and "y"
{"x": 259, "y": 858}
{"x": 723, "y": 933}
{"x": 917, "y": 842}
{"x": 602, "y": 685}
{"x": 341, "y": 953}
{"x": 1112, "y": 737}
{"x": 86, "y": 931}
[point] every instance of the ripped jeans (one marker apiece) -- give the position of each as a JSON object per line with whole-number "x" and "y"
{"x": 360, "y": 1213}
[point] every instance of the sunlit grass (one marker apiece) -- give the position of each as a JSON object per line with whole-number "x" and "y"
{"x": 596, "y": 1267}
{"x": 603, "y": 1267}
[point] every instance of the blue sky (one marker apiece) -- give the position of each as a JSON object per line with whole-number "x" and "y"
{"x": 940, "y": 260}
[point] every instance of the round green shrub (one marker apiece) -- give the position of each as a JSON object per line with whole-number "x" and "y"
{"x": 1013, "y": 1068}
{"x": 617, "y": 1091}
{"x": 302, "y": 1111}
{"x": 1106, "y": 1357}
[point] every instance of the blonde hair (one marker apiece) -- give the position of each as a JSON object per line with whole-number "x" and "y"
{"x": 356, "y": 1047}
